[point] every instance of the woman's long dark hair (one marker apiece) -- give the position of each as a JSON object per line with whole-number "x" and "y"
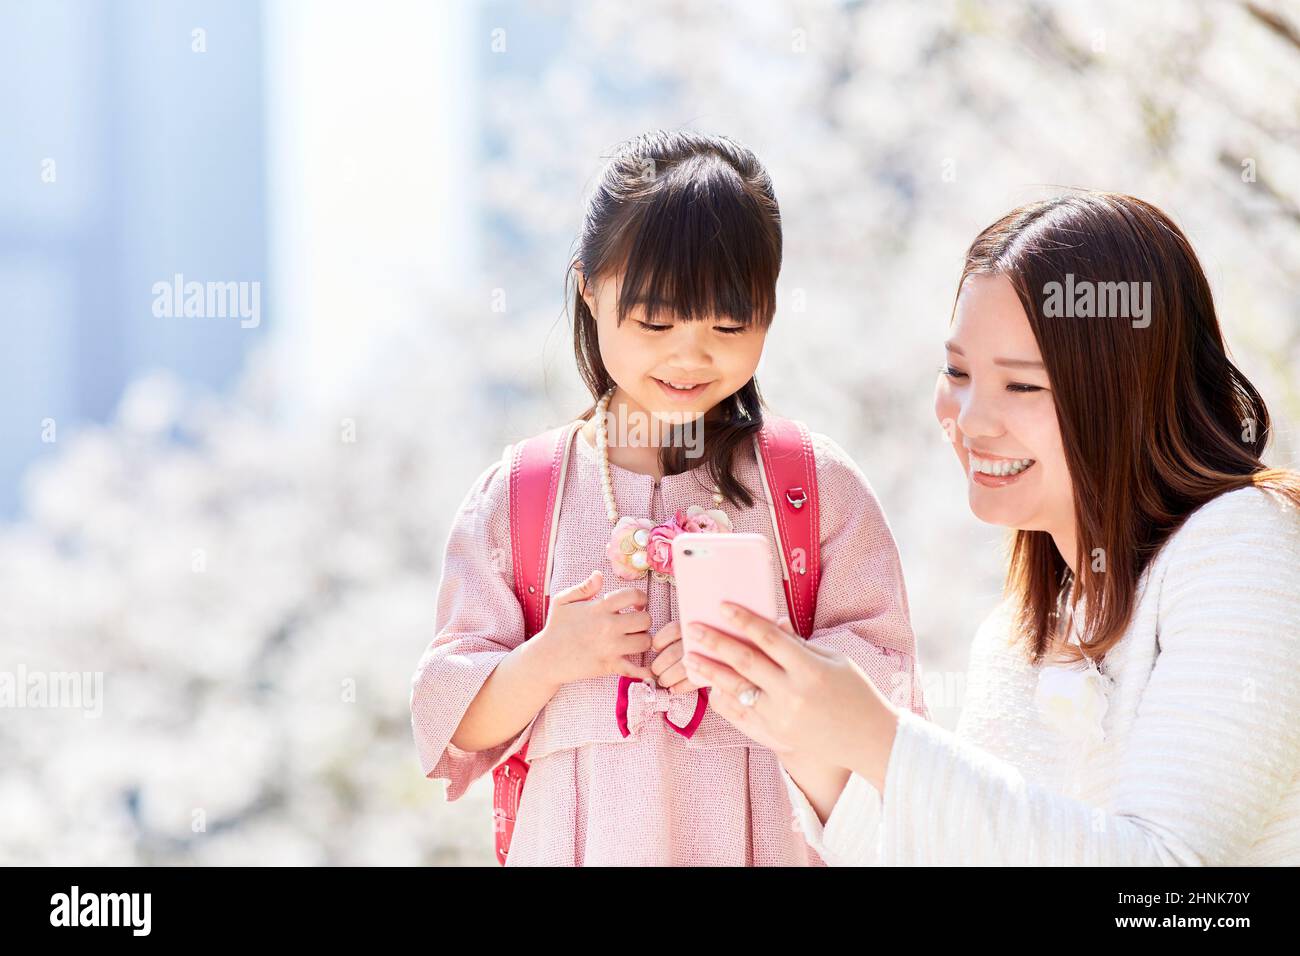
{"x": 692, "y": 222}
{"x": 1155, "y": 418}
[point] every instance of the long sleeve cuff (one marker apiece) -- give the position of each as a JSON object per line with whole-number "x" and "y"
{"x": 442, "y": 690}
{"x": 851, "y": 833}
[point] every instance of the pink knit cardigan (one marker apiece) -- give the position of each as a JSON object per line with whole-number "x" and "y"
{"x": 655, "y": 796}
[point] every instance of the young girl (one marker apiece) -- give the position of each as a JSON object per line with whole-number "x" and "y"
{"x": 675, "y": 276}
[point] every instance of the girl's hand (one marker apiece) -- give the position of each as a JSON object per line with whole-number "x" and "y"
{"x": 589, "y": 637}
{"x": 811, "y": 701}
{"x": 667, "y": 665}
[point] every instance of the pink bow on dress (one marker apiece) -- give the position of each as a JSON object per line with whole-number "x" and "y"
{"x": 637, "y": 700}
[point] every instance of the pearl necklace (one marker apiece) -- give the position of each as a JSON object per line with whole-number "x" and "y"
{"x": 602, "y": 449}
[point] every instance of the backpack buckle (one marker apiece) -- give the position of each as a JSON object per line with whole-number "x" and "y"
{"x": 796, "y": 496}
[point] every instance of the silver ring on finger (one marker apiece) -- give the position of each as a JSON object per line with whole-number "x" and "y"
{"x": 749, "y": 696}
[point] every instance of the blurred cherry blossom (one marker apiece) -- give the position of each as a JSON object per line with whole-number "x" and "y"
{"x": 256, "y": 586}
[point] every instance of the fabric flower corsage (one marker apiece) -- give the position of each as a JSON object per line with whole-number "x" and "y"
{"x": 638, "y": 547}
{"x": 1073, "y": 700}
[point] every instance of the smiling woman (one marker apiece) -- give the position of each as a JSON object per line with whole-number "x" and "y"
{"x": 1156, "y": 563}
{"x": 1133, "y": 424}
{"x": 995, "y": 402}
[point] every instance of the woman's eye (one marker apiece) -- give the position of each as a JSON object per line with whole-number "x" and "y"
{"x": 952, "y": 372}
{"x": 1022, "y": 387}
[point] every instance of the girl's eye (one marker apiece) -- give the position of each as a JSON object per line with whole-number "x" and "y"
{"x": 1022, "y": 387}
{"x": 725, "y": 329}
{"x": 951, "y": 372}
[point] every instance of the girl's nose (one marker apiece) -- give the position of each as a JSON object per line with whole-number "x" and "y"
{"x": 691, "y": 346}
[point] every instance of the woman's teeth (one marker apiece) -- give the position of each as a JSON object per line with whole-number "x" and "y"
{"x": 1000, "y": 466}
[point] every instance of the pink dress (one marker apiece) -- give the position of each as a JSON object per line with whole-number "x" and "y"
{"x": 654, "y": 797}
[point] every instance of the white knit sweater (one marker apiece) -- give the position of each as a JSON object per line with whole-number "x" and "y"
{"x": 1200, "y": 762}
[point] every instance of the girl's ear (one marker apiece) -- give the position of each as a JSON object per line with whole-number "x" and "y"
{"x": 584, "y": 288}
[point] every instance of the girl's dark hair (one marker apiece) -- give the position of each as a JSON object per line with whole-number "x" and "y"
{"x": 693, "y": 224}
{"x": 1155, "y": 418}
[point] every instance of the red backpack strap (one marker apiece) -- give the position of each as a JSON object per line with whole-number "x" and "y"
{"x": 537, "y": 469}
{"x": 537, "y": 473}
{"x": 789, "y": 468}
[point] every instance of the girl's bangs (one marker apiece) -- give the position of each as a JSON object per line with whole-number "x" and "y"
{"x": 700, "y": 249}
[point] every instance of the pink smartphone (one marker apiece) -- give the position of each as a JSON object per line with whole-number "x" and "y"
{"x": 711, "y": 568}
